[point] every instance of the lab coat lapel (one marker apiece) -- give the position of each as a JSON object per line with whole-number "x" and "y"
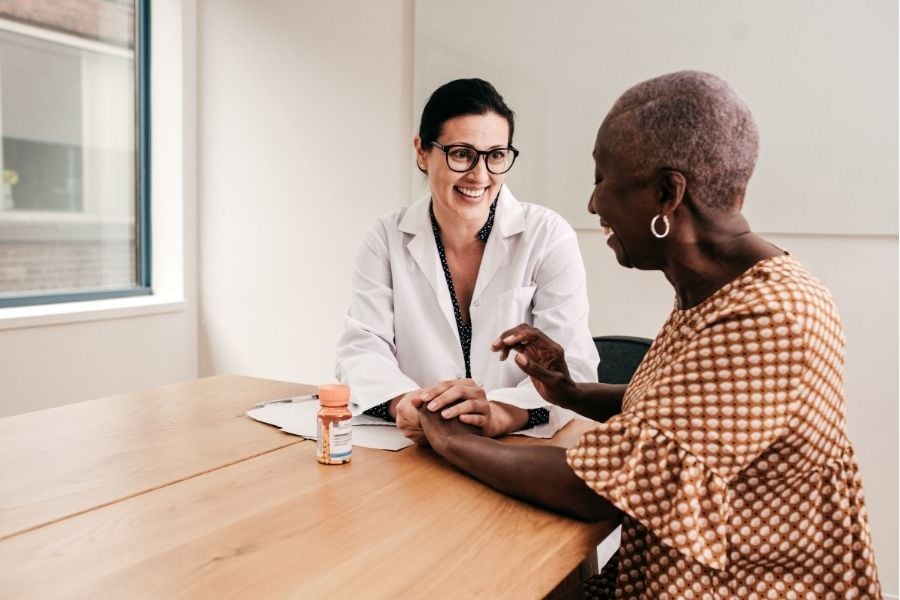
{"x": 508, "y": 220}
{"x": 421, "y": 247}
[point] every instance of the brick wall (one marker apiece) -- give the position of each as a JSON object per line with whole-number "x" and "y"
{"x": 49, "y": 255}
{"x": 109, "y": 21}
{"x": 45, "y": 266}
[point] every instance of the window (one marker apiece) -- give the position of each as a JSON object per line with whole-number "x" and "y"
{"x": 73, "y": 116}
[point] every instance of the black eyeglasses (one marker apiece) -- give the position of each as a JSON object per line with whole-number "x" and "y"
{"x": 464, "y": 158}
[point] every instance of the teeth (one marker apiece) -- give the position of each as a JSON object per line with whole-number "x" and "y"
{"x": 471, "y": 193}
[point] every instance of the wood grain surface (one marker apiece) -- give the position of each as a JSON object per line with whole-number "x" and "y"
{"x": 174, "y": 493}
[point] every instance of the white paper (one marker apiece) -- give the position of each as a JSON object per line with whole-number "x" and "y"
{"x": 297, "y": 416}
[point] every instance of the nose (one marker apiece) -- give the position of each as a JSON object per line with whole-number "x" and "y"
{"x": 590, "y": 206}
{"x": 480, "y": 168}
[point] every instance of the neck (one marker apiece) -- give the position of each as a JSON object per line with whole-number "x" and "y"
{"x": 458, "y": 233}
{"x": 705, "y": 258}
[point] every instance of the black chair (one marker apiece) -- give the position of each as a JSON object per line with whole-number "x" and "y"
{"x": 620, "y": 356}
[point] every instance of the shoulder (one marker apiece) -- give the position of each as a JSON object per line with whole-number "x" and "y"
{"x": 535, "y": 219}
{"x": 777, "y": 297}
{"x": 541, "y": 216}
{"x": 782, "y": 284}
{"x": 406, "y": 219}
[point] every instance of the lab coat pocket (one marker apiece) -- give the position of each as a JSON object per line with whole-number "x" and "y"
{"x": 514, "y": 307}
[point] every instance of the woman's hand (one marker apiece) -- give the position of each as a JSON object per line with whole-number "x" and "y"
{"x": 466, "y": 400}
{"x": 405, "y": 410}
{"x": 540, "y": 358}
{"x": 439, "y": 430}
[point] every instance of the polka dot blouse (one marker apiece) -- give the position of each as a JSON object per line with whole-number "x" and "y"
{"x": 730, "y": 459}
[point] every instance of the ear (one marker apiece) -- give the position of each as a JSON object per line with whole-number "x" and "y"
{"x": 421, "y": 156}
{"x": 417, "y": 146}
{"x": 673, "y": 186}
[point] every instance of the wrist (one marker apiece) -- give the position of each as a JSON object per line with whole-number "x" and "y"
{"x": 506, "y": 418}
{"x": 518, "y": 419}
{"x": 452, "y": 447}
{"x": 572, "y": 397}
{"x": 392, "y": 406}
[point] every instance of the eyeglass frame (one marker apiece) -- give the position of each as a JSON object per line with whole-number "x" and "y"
{"x": 478, "y": 154}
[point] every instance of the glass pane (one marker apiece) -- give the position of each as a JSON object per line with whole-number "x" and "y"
{"x": 68, "y": 155}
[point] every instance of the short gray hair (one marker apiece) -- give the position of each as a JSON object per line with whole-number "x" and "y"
{"x": 691, "y": 122}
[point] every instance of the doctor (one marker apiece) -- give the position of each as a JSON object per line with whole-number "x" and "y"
{"x": 436, "y": 282}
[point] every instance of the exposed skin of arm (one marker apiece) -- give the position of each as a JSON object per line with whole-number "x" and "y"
{"x": 508, "y": 418}
{"x": 544, "y": 361}
{"x": 459, "y": 398}
{"x": 536, "y": 474}
{"x": 465, "y": 399}
{"x": 406, "y": 415}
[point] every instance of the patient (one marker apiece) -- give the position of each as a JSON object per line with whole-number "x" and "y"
{"x": 726, "y": 457}
{"x": 434, "y": 282}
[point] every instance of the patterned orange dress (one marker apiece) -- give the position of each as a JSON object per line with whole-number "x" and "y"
{"x": 730, "y": 459}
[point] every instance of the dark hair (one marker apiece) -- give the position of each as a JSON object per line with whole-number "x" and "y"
{"x": 458, "y": 98}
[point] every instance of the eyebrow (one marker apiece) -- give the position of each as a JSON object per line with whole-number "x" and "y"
{"x": 467, "y": 145}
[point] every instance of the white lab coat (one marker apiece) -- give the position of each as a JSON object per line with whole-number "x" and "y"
{"x": 400, "y": 329}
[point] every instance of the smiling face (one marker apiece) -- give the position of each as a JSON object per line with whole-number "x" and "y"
{"x": 625, "y": 204}
{"x": 464, "y": 196}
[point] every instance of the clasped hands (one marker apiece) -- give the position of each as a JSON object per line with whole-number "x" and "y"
{"x": 455, "y": 400}
{"x": 461, "y": 406}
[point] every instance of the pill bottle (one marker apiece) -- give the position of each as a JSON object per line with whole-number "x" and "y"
{"x": 334, "y": 439}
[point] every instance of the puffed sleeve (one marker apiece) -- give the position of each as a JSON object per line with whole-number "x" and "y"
{"x": 718, "y": 388}
{"x": 650, "y": 477}
{"x": 366, "y": 358}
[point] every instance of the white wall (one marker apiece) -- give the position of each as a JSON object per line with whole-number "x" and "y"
{"x": 305, "y": 138}
{"x": 112, "y": 346}
{"x": 819, "y": 75}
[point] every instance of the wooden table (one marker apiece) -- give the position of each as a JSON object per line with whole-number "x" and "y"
{"x": 173, "y": 492}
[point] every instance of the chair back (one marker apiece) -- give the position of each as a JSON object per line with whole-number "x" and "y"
{"x": 620, "y": 356}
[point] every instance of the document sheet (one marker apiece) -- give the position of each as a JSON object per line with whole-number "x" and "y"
{"x": 297, "y": 416}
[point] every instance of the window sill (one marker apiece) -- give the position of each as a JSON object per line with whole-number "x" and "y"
{"x": 20, "y": 317}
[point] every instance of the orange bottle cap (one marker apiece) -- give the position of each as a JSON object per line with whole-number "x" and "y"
{"x": 334, "y": 394}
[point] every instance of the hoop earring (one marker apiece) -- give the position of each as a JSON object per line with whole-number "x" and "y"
{"x": 653, "y": 226}
{"x": 421, "y": 167}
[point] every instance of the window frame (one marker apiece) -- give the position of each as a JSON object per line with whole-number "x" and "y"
{"x": 143, "y": 250}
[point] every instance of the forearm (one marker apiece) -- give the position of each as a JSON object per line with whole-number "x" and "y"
{"x": 537, "y": 474}
{"x": 507, "y": 418}
{"x": 366, "y": 352}
{"x": 596, "y": 401}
